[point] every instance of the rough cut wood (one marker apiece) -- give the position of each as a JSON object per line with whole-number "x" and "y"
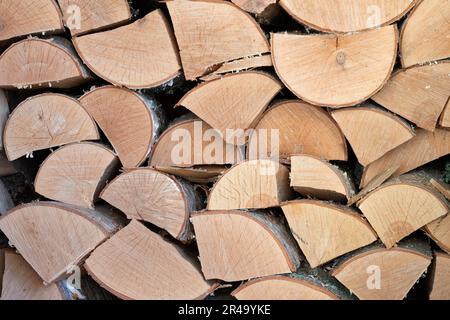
{"x": 445, "y": 117}
{"x": 314, "y": 177}
{"x": 440, "y": 277}
{"x": 371, "y": 131}
{"x": 255, "y": 184}
{"x": 34, "y": 63}
{"x": 45, "y": 121}
{"x": 25, "y": 17}
{"x": 131, "y": 121}
{"x": 346, "y": 16}
{"x": 82, "y": 16}
{"x": 418, "y": 94}
{"x": 127, "y": 56}
{"x": 423, "y": 148}
{"x": 326, "y": 231}
{"x": 265, "y": 11}
{"x": 198, "y": 174}
{"x": 138, "y": 264}
{"x": 76, "y": 173}
{"x": 206, "y": 39}
{"x": 442, "y": 187}
{"x": 54, "y": 237}
{"x": 301, "y": 128}
{"x": 438, "y": 230}
{"x": 339, "y": 75}
{"x": 241, "y": 245}
{"x": 193, "y": 142}
{"x": 418, "y": 44}
{"x": 234, "y": 102}
{"x": 148, "y": 195}
{"x": 6, "y": 202}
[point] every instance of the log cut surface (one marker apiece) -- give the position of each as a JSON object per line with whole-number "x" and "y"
{"x": 440, "y": 283}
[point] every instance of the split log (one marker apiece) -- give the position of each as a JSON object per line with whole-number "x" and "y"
{"x": 346, "y": 16}
{"x": 314, "y": 177}
{"x": 199, "y": 174}
{"x": 339, "y": 75}
{"x": 193, "y": 142}
{"x": 372, "y": 132}
{"x": 233, "y": 103}
{"x": 265, "y": 11}
{"x": 6, "y": 202}
{"x": 29, "y": 17}
{"x": 439, "y": 231}
{"x": 206, "y": 40}
{"x": 49, "y": 63}
{"x": 75, "y": 232}
{"x": 131, "y": 121}
{"x": 440, "y": 277}
{"x": 127, "y": 56}
{"x": 46, "y": 121}
{"x": 408, "y": 91}
{"x": 81, "y": 16}
{"x": 442, "y": 187}
{"x": 148, "y": 195}
{"x": 76, "y": 173}
{"x": 376, "y": 273}
{"x": 418, "y": 44}
{"x": 445, "y": 117}
{"x": 256, "y": 184}
{"x": 423, "y": 148}
{"x": 402, "y": 206}
{"x": 326, "y": 231}
{"x": 241, "y": 245}
{"x": 137, "y": 264}
{"x": 318, "y": 134}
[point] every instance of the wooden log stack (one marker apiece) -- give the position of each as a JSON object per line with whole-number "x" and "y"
{"x": 191, "y": 148}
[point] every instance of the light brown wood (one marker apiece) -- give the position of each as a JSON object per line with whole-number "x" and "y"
{"x": 445, "y": 117}
{"x": 265, "y": 11}
{"x": 207, "y": 39}
{"x": 54, "y": 237}
{"x": 347, "y": 16}
{"x": 22, "y": 18}
{"x": 46, "y": 121}
{"x": 82, "y": 16}
{"x": 302, "y": 128}
{"x": 131, "y": 121}
{"x": 127, "y": 56}
{"x": 423, "y": 148}
{"x": 440, "y": 277}
{"x": 442, "y": 187}
{"x": 138, "y": 264}
{"x": 417, "y": 44}
{"x": 193, "y": 142}
{"x": 76, "y": 173}
{"x": 438, "y": 230}
{"x": 38, "y": 63}
{"x": 314, "y": 177}
{"x": 240, "y": 245}
{"x": 234, "y": 102}
{"x": 148, "y": 195}
{"x": 408, "y": 91}
{"x": 199, "y": 174}
{"x": 371, "y": 131}
{"x": 255, "y": 184}
{"x": 21, "y": 282}
{"x": 339, "y": 75}
{"x": 6, "y": 202}
{"x": 326, "y": 231}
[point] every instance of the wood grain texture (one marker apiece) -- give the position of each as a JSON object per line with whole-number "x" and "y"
{"x": 197, "y": 174}
{"x": 445, "y": 117}
{"x": 440, "y": 275}
{"x": 439, "y": 231}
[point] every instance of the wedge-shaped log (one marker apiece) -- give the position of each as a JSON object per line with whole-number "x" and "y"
{"x": 76, "y": 173}
{"x": 417, "y": 44}
{"x": 55, "y": 237}
{"x": 255, "y": 184}
{"x": 148, "y": 195}
{"x": 46, "y": 121}
{"x": 372, "y": 132}
{"x": 298, "y": 128}
{"x": 418, "y": 94}
{"x": 38, "y": 63}
{"x": 22, "y": 18}
{"x": 445, "y": 117}
{"x": 326, "y": 231}
{"x": 241, "y": 245}
{"x": 346, "y": 16}
{"x": 127, "y": 56}
{"x": 199, "y": 174}
{"x": 82, "y": 16}
{"x": 314, "y": 177}
{"x": 440, "y": 277}
{"x": 265, "y": 11}
{"x": 131, "y": 121}
{"x": 439, "y": 231}
{"x": 339, "y": 75}
{"x": 138, "y": 264}
{"x": 207, "y": 40}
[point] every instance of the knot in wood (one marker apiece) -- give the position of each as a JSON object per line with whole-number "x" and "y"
{"x": 340, "y": 58}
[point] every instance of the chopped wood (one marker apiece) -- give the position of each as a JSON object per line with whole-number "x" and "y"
{"x": 438, "y": 230}
{"x": 339, "y": 75}
{"x": 265, "y": 11}
{"x": 198, "y": 174}
{"x": 241, "y": 245}
{"x": 442, "y": 187}
{"x": 445, "y": 117}
{"x": 440, "y": 277}
{"x": 76, "y": 173}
